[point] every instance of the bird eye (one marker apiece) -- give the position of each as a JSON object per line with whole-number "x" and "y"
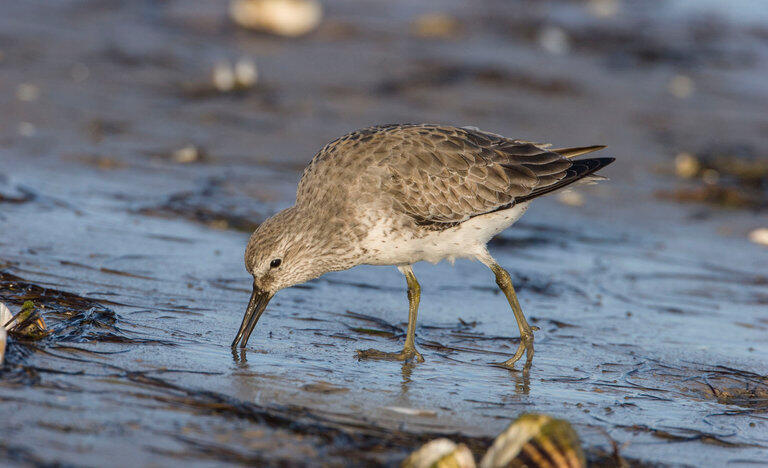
{"x": 275, "y": 263}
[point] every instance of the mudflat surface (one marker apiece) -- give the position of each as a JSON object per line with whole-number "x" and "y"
{"x": 652, "y": 313}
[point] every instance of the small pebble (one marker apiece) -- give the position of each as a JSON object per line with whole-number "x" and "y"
{"x": 687, "y": 165}
{"x": 27, "y": 129}
{"x": 435, "y": 26}
{"x": 710, "y": 176}
{"x": 223, "y": 77}
{"x": 554, "y": 40}
{"x": 681, "y": 86}
{"x": 187, "y": 154}
{"x": 246, "y": 73}
{"x": 603, "y": 8}
{"x": 27, "y": 92}
{"x": 79, "y": 72}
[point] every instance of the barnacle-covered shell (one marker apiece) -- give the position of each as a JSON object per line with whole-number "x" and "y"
{"x": 440, "y": 453}
{"x": 536, "y": 440}
{"x": 27, "y": 324}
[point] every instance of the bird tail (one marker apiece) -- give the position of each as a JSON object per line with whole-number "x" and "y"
{"x": 577, "y": 151}
{"x": 582, "y": 169}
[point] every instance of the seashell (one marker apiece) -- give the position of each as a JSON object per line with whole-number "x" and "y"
{"x": 440, "y": 453}
{"x": 290, "y": 18}
{"x": 536, "y": 440}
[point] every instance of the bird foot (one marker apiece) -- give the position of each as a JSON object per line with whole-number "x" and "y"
{"x": 525, "y": 347}
{"x": 404, "y": 355}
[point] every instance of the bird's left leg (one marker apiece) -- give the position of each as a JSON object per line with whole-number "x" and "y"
{"x": 409, "y": 350}
{"x": 504, "y": 282}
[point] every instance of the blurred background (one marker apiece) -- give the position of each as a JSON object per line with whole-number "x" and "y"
{"x": 674, "y": 87}
{"x": 141, "y": 141}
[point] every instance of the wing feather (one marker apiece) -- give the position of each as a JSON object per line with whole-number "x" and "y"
{"x": 441, "y": 176}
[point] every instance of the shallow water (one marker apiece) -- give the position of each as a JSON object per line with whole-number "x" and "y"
{"x": 750, "y": 12}
{"x": 652, "y": 315}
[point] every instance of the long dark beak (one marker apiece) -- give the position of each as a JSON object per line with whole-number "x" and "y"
{"x": 256, "y": 306}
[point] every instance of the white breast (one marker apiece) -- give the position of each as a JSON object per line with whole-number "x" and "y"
{"x": 387, "y": 246}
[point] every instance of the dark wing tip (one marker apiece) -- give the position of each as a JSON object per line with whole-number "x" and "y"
{"x": 579, "y": 169}
{"x": 584, "y": 167}
{"x": 602, "y": 162}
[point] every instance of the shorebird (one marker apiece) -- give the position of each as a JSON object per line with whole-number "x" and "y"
{"x": 404, "y": 193}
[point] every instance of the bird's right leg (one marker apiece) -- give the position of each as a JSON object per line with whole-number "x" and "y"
{"x": 409, "y": 350}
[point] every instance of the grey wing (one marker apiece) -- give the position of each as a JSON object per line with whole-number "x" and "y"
{"x": 442, "y": 176}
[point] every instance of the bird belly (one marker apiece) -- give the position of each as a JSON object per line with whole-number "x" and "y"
{"x": 387, "y": 246}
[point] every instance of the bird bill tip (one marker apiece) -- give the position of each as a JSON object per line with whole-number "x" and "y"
{"x": 256, "y": 306}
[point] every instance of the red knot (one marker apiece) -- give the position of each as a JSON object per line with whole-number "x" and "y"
{"x": 401, "y": 194}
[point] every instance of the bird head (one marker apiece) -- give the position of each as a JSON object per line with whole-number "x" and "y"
{"x": 281, "y": 252}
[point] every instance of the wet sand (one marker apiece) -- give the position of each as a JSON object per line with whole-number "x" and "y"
{"x": 652, "y": 313}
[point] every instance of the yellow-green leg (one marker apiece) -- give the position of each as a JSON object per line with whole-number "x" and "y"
{"x": 409, "y": 350}
{"x": 526, "y": 331}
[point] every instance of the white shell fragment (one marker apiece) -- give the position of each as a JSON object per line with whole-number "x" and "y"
{"x": 241, "y": 76}
{"x": 187, "y": 154}
{"x": 440, "y": 453}
{"x": 290, "y": 18}
{"x": 5, "y": 316}
{"x": 759, "y": 236}
{"x": 411, "y": 411}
